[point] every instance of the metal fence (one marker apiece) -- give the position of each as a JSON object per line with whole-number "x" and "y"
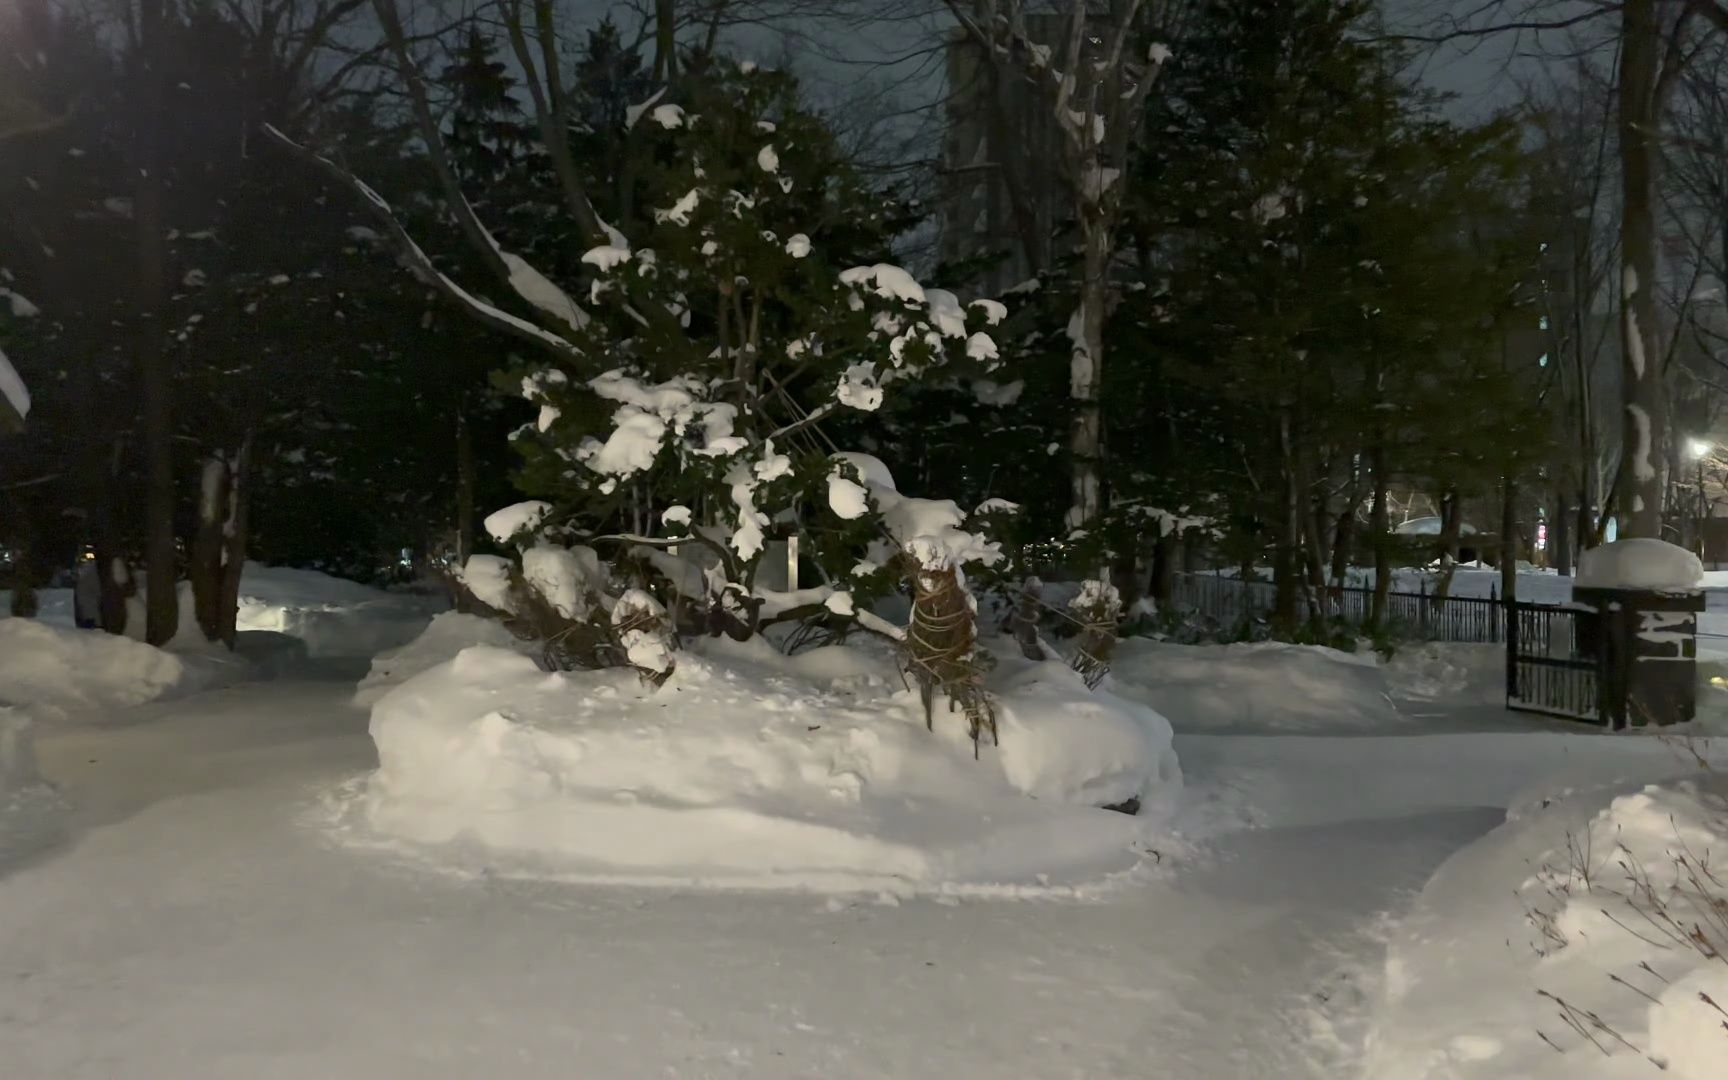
{"x": 1233, "y": 605}
{"x": 1554, "y": 664}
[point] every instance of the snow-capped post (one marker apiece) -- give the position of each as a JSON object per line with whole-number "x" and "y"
{"x": 1647, "y": 598}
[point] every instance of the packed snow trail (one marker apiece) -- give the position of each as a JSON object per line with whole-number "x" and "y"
{"x": 198, "y": 925}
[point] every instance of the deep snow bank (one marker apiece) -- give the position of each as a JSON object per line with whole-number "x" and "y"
{"x": 751, "y": 769}
{"x": 333, "y": 616}
{"x": 60, "y": 669}
{"x": 447, "y": 634}
{"x": 1453, "y": 673}
{"x": 1587, "y": 894}
{"x": 1265, "y": 686}
{"x": 30, "y": 809}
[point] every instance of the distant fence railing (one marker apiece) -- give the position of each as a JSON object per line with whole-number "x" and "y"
{"x": 1233, "y": 603}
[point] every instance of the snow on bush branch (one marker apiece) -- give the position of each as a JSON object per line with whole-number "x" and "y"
{"x": 749, "y": 320}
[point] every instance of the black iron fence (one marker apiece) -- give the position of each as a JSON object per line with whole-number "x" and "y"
{"x": 1235, "y": 606}
{"x": 1555, "y": 664}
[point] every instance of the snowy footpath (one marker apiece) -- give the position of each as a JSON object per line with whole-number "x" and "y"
{"x": 193, "y": 917}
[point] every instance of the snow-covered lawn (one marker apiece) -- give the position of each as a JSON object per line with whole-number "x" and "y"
{"x": 209, "y": 894}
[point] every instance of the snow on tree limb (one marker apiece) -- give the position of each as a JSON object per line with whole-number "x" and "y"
{"x": 419, "y": 261}
{"x": 14, "y": 397}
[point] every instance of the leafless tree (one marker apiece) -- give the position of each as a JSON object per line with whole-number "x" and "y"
{"x": 1092, "y": 81}
{"x": 1654, "y": 44}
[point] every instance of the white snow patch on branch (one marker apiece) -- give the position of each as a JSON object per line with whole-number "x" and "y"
{"x": 503, "y": 524}
{"x": 633, "y": 113}
{"x": 12, "y": 388}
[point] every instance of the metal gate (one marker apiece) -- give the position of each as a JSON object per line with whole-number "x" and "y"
{"x": 1555, "y": 663}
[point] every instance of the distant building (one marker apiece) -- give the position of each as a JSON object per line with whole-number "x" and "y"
{"x": 1001, "y": 139}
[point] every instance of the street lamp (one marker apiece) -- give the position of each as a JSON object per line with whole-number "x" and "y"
{"x": 1698, "y": 450}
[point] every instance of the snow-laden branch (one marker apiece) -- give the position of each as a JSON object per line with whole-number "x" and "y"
{"x": 14, "y": 398}
{"x": 419, "y": 261}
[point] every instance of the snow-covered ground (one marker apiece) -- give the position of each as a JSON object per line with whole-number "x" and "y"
{"x": 331, "y": 616}
{"x": 749, "y": 768}
{"x": 191, "y": 902}
{"x": 1582, "y": 939}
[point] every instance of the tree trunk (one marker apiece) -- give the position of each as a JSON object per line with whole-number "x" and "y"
{"x": 1315, "y": 555}
{"x": 464, "y": 490}
{"x": 1560, "y": 538}
{"x": 24, "y": 600}
{"x": 1645, "y": 431}
{"x": 116, "y": 582}
{"x": 1166, "y": 551}
{"x": 162, "y": 608}
{"x": 236, "y": 533}
{"x": 1379, "y": 527}
{"x": 665, "y": 40}
{"x": 1343, "y": 541}
{"x": 1289, "y": 553}
{"x": 1086, "y": 331}
{"x": 1509, "y": 540}
{"x": 209, "y": 545}
{"x": 1451, "y": 525}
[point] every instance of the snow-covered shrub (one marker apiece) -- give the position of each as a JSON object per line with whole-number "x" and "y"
{"x": 1586, "y": 937}
{"x": 1098, "y": 609}
{"x": 754, "y": 325}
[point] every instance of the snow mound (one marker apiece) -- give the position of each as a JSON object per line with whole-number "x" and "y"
{"x": 447, "y": 634}
{"x": 1266, "y": 686}
{"x": 1097, "y": 753}
{"x": 333, "y": 616}
{"x": 1639, "y": 563}
{"x": 1588, "y": 896}
{"x": 1452, "y": 672}
{"x": 31, "y": 811}
{"x": 66, "y": 670}
{"x": 748, "y": 769}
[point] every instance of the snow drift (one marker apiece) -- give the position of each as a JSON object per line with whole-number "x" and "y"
{"x": 31, "y": 810}
{"x": 333, "y": 616}
{"x": 1453, "y": 673}
{"x": 447, "y": 634}
{"x": 751, "y": 769}
{"x": 1263, "y": 687}
{"x": 1559, "y": 946}
{"x": 65, "y": 670}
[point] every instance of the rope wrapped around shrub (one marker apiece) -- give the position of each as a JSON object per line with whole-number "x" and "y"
{"x": 1098, "y": 609}
{"x": 941, "y": 647}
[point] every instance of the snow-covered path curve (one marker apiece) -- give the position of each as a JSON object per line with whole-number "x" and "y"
{"x": 196, "y": 927}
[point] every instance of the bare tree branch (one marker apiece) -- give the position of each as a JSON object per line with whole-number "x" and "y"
{"x": 419, "y": 261}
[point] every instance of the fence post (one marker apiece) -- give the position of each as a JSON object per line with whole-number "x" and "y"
{"x": 1511, "y": 636}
